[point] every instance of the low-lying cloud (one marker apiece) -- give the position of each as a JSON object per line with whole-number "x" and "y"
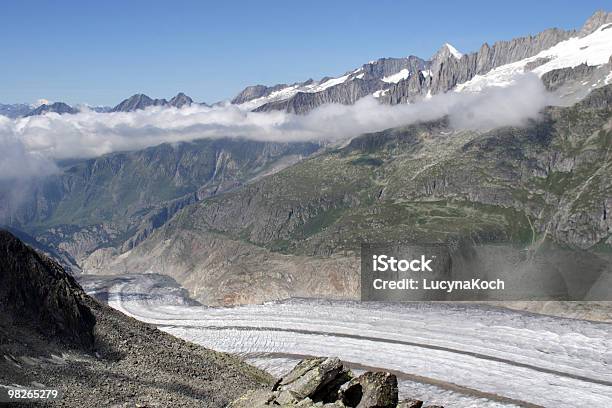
{"x": 29, "y": 145}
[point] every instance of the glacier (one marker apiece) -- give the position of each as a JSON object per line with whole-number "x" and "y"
{"x": 460, "y": 355}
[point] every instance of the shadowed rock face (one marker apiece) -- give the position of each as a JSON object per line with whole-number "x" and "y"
{"x": 36, "y": 292}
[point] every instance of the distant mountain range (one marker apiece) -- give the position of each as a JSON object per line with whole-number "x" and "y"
{"x": 133, "y": 103}
{"x": 57, "y": 107}
{"x": 142, "y": 101}
{"x": 405, "y": 80}
{"x": 552, "y": 54}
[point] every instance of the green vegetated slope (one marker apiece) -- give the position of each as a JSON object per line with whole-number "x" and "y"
{"x": 119, "y": 185}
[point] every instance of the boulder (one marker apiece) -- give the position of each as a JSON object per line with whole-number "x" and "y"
{"x": 410, "y": 403}
{"x": 317, "y": 378}
{"x": 254, "y": 399}
{"x": 371, "y": 390}
{"x": 325, "y": 383}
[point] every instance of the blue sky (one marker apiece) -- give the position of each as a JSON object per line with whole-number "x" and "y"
{"x": 101, "y": 52}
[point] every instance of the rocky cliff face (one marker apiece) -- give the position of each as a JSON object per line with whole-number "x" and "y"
{"x": 303, "y": 97}
{"x": 345, "y": 93}
{"x": 446, "y": 70}
{"x": 573, "y": 84}
{"x": 35, "y": 292}
{"x": 598, "y": 19}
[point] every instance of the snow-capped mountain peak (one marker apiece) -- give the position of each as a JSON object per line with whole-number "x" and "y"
{"x": 453, "y": 51}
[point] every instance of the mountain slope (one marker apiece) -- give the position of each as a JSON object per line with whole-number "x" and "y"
{"x": 546, "y": 187}
{"x": 124, "y": 196}
{"x": 125, "y": 362}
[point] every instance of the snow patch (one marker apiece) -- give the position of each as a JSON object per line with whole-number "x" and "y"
{"x": 395, "y": 78}
{"x": 290, "y": 91}
{"x": 594, "y": 50}
{"x": 380, "y": 93}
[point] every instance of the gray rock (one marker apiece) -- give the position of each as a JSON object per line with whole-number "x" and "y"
{"x": 345, "y": 93}
{"x": 253, "y": 399}
{"x": 288, "y": 397}
{"x": 598, "y": 19}
{"x": 318, "y": 379}
{"x": 371, "y": 390}
{"x": 410, "y": 403}
{"x": 302, "y": 387}
{"x": 554, "y": 79}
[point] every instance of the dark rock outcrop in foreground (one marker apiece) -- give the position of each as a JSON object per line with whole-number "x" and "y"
{"x": 54, "y": 336}
{"x": 38, "y": 294}
{"x": 325, "y": 382}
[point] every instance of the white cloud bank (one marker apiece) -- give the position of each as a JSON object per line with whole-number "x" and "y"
{"x": 27, "y": 145}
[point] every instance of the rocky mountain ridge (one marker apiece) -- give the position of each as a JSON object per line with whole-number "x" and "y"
{"x": 133, "y": 103}
{"x": 142, "y": 101}
{"x": 56, "y": 107}
{"x": 412, "y": 78}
